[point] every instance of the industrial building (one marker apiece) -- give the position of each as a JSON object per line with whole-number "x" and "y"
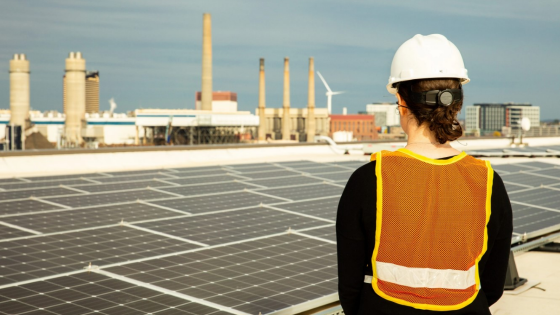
{"x": 222, "y": 101}
{"x": 362, "y": 127}
{"x": 287, "y": 123}
{"x": 386, "y": 114}
{"x": 487, "y": 118}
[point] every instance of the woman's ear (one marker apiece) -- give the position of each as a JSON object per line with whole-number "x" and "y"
{"x": 402, "y": 110}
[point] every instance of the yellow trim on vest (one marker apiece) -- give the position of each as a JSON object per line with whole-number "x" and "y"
{"x": 433, "y": 161}
{"x": 379, "y": 215}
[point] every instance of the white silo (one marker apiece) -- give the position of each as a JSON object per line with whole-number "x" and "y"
{"x": 19, "y": 90}
{"x": 75, "y": 82}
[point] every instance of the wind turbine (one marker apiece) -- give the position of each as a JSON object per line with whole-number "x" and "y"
{"x": 329, "y": 93}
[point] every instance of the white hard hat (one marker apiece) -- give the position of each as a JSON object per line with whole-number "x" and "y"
{"x": 426, "y": 57}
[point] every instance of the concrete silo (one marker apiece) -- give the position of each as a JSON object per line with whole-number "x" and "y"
{"x": 75, "y": 86}
{"x": 19, "y": 91}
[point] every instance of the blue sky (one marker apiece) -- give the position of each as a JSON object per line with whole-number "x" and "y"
{"x": 149, "y": 52}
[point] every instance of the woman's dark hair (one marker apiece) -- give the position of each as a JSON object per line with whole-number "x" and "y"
{"x": 440, "y": 119}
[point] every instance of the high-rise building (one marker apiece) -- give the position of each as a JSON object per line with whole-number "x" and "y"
{"x": 92, "y": 92}
{"x": 489, "y": 117}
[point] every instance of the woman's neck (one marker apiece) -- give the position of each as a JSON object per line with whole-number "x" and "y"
{"x": 422, "y": 141}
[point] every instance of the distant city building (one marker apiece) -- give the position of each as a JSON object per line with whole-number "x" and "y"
{"x": 361, "y": 126}
{"x": 92, "y": 92}
{"x": 486, "y": 118}
{"x": 222, "y": 101}
{"x": 385, "y": 114}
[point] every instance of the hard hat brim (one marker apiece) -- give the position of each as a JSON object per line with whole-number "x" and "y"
{"x": 391, "y": 86}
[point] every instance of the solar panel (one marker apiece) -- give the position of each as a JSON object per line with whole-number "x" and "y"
{"x": 254, "y": 237}
{"x": 132, "y": 178}
{"x": 321, "y": 169}
{"x": 232, "y": 226}
{"x": 196, "y": 179}
{"x": 106, "y": 198}
{"x": 226, "y": 201}
{"x": 199, "y": 173}
{"x": 92, "y": 293}
{"x": 265, "y": 275}
{"x": 37, "y": 192}
{"x": 10, "y": 180}
{"x": 66, "y": 220}
{"x": 286, "y": 181}
{"x": 47, "y": 255}
{"x": 335, "y": 176}
{"x": 25, "y": 206}
{"x": 202, "y": 189}
{"x": 52, "y": 183}
{"x": 322, "y": 208}
{"x": 327, "y": 233}
{"x": 543, "y": 197}
{"x": 121, "y": 186}
{"x": 269, "y": 174}
{"x": 10, "y": 232}
{"x": 540, "y": 165}
{"x": 63, "y": 177}
{"x": 305, "y": 192}
{"x": 299, "y": 164}
{"x": 511, "y": 168}
{"x": 512, "y": 187}
{"x": 530, "y": 179}
{"x": 551, "y": 172}
{"x": 534, "y": 221}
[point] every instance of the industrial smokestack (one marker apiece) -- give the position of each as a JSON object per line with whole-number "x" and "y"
{"x": 311, "y": 102}
{"x": 262, "y": 102}
{"x": 206, "y": 92}
{"x": 19, "y": 90}
{"x": 286, "y": 104}
{"x": 75, "y": 97}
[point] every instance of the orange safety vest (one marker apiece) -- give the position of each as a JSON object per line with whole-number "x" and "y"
{"x": 431, "y": 228}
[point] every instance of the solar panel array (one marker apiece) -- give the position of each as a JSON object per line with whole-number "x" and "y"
{"x": 234, "y": 239}
{"x": 207, "y": 240}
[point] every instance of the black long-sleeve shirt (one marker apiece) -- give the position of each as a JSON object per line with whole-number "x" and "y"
{"x": 355, "y": 231}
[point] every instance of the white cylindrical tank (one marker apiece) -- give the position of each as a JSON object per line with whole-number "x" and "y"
{"x": 75, "y": 97}
{"x": 19, "y": 90}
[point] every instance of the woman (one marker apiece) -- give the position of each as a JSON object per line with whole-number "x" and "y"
{"x": 425, "y": 229}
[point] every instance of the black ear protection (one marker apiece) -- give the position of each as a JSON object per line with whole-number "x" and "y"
{"x": 437, "y": 97}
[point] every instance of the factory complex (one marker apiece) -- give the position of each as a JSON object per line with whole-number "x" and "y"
{"x": 215, "y": 118}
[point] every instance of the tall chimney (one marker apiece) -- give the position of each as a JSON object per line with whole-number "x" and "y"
{"x": 311, "y": 102}
{"x": 75, "y": 97}
{"x": 262, "y": 103}
{"x": 286, "y": 104}
{"x": 19, "y": 90}
{"x": 206, "y": 92}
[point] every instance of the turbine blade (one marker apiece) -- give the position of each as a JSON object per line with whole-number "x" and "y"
{"x": 336, "y": 93}
{"x": 324, "y": 82}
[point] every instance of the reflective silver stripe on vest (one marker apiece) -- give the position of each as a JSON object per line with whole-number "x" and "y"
{"x": 367, "y": 279}
{"x": 426, "y": 277}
